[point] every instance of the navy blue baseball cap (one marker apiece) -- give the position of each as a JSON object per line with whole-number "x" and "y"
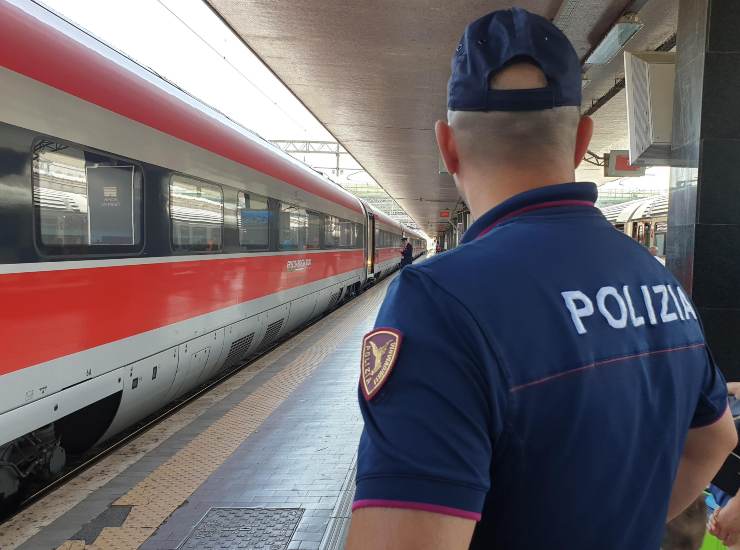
{"x": 496, "y": 40}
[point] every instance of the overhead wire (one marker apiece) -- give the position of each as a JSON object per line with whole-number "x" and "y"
{"x": 228, "y": 62}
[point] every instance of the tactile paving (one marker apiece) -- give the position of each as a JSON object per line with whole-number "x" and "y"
{"x": 252, "y": 528}
{"x": 111, "y": 517}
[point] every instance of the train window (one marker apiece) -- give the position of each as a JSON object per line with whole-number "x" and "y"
{"x": 85, "y": 199}
{"x": 293, "y": 227}
{"x": 339, "y": 233}
{"x": 387, "y": 239}
{"x": 313, "y": 239}
{"x": 331, "y": 232}
{"x": 346, "y": 234}
{"x": 197, "y": 214}
{"x": 253, "y": 221}
{"x": 359, "y": 235}
{"x": 660, "y": 243}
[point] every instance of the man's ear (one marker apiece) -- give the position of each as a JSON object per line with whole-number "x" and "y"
{"x": 583, "y": 138}
{"x": 447, "y": 146}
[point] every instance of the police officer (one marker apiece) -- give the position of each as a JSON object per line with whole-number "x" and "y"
{"x": 407, "y": 252}
{"x": 546, "y": 384}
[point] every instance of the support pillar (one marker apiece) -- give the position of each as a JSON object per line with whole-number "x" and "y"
{"x": 703, "y": 241}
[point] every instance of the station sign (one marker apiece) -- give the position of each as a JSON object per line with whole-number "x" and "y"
{"x": 444, "y": 213}
{"x": 617, "y": 165}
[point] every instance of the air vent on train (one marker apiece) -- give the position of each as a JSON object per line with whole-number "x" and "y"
{"x": 273, "y": 329}
{"x": 239, "y": 349}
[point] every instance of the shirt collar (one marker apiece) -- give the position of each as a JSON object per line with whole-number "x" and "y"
{"x": 564, "y": 194}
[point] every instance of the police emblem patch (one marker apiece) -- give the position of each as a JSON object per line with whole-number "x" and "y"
{"x": 379, "y": 353}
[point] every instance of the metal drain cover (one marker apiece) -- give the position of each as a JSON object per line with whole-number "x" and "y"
{"x": 249, "y": 528}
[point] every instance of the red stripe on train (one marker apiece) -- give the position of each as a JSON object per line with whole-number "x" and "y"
{"x": 41, "y": 52}
{"x": 385, "y": 254}
{"x": 50, "y": 314}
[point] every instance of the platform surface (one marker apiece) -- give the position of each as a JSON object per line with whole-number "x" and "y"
{"x": 266, "y": 460}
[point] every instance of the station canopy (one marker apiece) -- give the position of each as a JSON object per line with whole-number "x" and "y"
{"x": 649, "y": 207}
{"x": 375, "y": 74}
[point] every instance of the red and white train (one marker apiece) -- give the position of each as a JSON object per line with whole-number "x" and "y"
{"x": 146, "y": 242}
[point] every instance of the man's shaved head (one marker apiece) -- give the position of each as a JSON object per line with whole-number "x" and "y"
{"x": 515, "y": 136}
{"x": 493, "y": 155}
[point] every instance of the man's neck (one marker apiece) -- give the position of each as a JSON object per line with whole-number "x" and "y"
{"x": 485, "y": 194}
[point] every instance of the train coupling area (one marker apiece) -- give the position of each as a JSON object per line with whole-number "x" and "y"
{"x": 264, "y": 460}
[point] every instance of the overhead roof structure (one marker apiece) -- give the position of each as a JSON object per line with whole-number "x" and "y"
{"x": 649, "y": 207}
{"x": 375, "y": 74}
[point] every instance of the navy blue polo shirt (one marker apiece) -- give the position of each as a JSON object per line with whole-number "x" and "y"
{"x": 548, "y": 372}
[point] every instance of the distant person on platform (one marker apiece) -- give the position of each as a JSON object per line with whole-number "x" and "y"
{"x": 546, "y": 384}
{"x": 407, "y": 252}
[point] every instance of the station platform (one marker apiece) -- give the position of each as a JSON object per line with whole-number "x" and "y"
{"x": 265, "y": 460}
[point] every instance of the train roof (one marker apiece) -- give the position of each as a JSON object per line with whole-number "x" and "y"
{"x": 649, "y": 207}
{"x": 383, "y": 217}
{"x": 38, "y": 44}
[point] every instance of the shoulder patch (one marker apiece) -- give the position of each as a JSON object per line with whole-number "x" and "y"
{"x": 379, "y": 353}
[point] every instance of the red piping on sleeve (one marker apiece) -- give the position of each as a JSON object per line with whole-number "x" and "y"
{"x": 422, "y": 506}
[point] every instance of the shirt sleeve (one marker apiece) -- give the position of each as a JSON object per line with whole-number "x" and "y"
{"x": 713, "y": 398}
{"x": 429, "y": 432}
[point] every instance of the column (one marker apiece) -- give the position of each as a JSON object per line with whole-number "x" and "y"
{"x": 703, "y": 241}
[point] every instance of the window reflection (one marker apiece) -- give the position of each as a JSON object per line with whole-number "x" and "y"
{"x": 253, "y": 220}
{"x": 313, "y": 240}
{"x": 196, "y": 210}
{"x": 85, "y": 198}
{"x": 339, "y": 233}
{"x": 293, "y": 227}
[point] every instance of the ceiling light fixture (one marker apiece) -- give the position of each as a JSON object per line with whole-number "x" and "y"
{"x": 615, "y": 40}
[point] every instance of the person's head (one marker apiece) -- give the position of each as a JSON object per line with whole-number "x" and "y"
{"x": 404, "y": 239}
{"x": 513, "y": 109}
{"x": 653, "y": 250}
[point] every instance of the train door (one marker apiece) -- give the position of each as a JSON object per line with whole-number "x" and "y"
{"x": 370, "y": 245}
{"x": 660, "y": 232}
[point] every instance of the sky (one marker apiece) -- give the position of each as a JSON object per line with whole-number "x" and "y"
{"x": 183, "y": 41}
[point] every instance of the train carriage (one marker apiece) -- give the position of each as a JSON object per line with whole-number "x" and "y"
{"x": 645, "y": 220}
{"x": 146, "y": 242}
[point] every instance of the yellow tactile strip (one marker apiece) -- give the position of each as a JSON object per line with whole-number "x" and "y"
{"x": 38, "y": 516}
{"x": 31, "y": 521}
{"x": 166, "y": 488}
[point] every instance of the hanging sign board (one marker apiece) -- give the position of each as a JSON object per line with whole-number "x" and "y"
{"x": 617, "y": 165}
